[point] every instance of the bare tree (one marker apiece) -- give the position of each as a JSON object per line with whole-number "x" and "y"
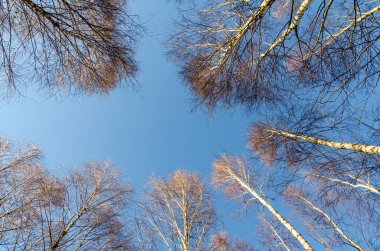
{"x": 179, "y": 211}
{"x": 84, "y": 211}
{"x": 253, "y": 52}
{"x": 222, "y": 242}
{"x": 264, "y": 134}
{"x": 19, "y": 173}
{"x": 295, "y": 192}
{"x": 350, "y": 180}
{"x": 342, "y": 179}
{"x": 236, "y": 178}
{"x": 80, "y": 45}
{"x": 351, "y": 164}
{"x": 273, "y": 235}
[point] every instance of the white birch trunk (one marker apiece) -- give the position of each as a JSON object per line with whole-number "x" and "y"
{"x": 333, "y": 224}
{"x": 282, "y": 243}
{"x": 279, "y": 217}
{"x": 297, "y": 18}
{"x": 361, "y": 183}
{"x": 371, "y": 149}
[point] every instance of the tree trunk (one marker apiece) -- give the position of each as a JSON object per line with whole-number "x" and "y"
{"x": 266, "y": 204}
{"x": 338, "y": 145}
{"x": 333, "y": 224}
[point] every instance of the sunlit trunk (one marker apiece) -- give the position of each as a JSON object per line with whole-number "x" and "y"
{"x": 338, "y": 145}
{"x": 275, "y": 213}
{"x": 297, "y": 18}
{"x": 282, "y": 243}
{"x": 328, "y": 218}
{"x": 360, "y": 183}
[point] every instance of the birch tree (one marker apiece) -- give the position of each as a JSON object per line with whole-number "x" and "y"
{"x": 19, "y": 173}
{"x": 343, "y": 177}
{"x": 223, "y": 242}
{"x": 351, "y": 180}
{"x": 87, "y": 213}
{"x": 255, "y": 52}
{"x": 39, "y": 211}
{"x": 236, "y": 179}
{"x": 67, "y": 44}
{"x": 84, "y": 211}
{"x": 179, "y": 211}
{"x": 273, "y": 235}
{"x": 297, "y": 194}
{"x": 311, "y": 70}
{"x": 265, "y": 134}
{"x": 353, "y": 164}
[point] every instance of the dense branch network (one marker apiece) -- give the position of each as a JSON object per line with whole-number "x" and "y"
{"x": 254, "y": 52}
{"x": 38, "y": 211}
{"x": 67, "y": 44}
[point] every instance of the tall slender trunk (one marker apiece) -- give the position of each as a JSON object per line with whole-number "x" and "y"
{"x": 333, "y": 224}
{"x": 371, "y": 149}
{"x": 186, "y": 234}
{"x": 360, "y": 183}
{"x": 276, "y": 214}
{"x": 282, "y": 243}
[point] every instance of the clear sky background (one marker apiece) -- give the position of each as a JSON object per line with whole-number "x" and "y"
{"x": 147, "y": 132}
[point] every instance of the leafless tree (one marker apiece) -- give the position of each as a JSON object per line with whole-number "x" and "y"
{"x": 341, "y": 177}
{"x": 222, "y": 242}
{"x": 264, "y": 134}
{"x": 84, "y": 211}
{"x": 295, "y": 193}
{"x": 179, "y": 211}
{"x": 67, "y": 44}
{"x": 19, "y": 173}
{"x": 253, "y": 52}
{"x": 237, "y": 179}
{"x": 273, "y": 236}
{"x": 352, "y": 164}
{"x": 351, "y": 180}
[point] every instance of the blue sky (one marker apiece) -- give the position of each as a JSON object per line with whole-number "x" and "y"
{"x": 147, "y": 132}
